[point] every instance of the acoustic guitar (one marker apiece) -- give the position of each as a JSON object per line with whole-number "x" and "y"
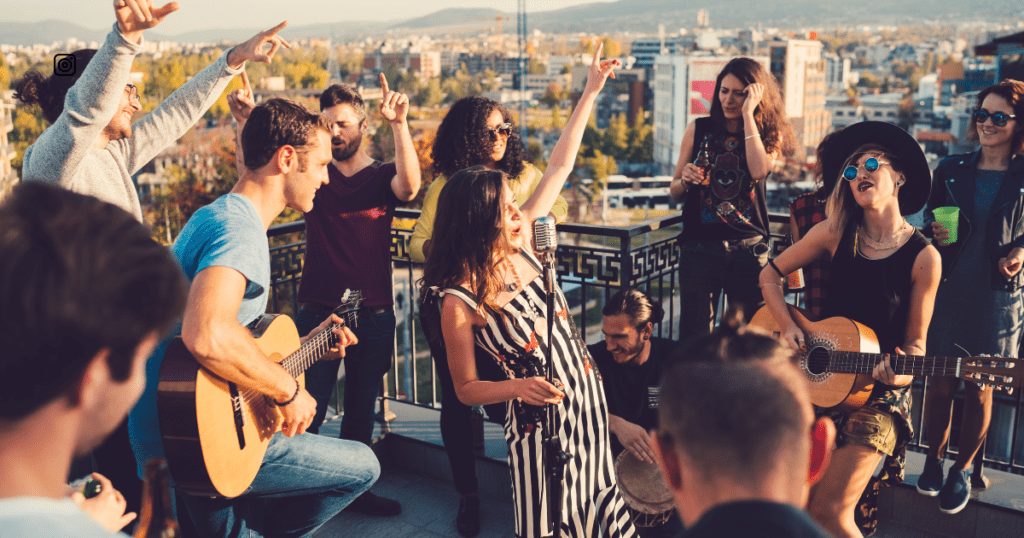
{"x": 215, "y": 433}
{"x": 842, "y": 353}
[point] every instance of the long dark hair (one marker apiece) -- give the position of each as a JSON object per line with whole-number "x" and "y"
{"x": 463, "y": 140}
{"x": 776, "y": 134}
{"x": 468, "y": 240}
{"x": 1013, "y": 92}
{"x": 50, "y": 91}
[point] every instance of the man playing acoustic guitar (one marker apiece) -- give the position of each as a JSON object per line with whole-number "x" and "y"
{"x": 304, "y": 480}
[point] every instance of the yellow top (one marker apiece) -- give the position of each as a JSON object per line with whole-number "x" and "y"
{"x": 523, "y": 186}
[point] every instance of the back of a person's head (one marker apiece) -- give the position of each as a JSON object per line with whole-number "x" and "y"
{"x": 49, "y": 91}
{"x": 77, "y": 275}
{"x": 277, "y": 123}
{"x": 736, "y": 406}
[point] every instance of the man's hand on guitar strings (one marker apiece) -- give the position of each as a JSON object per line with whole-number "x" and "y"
{"x": 298, "y": 415}
{"x": 794, "y": 338}
{"x": 883, "y": 372}
{"x": 345, "y": 338}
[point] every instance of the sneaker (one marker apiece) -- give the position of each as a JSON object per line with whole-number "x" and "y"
{"x": 954, "y": 495}
{"x": 372, "y": 505}
{"x": 930, "y": 481}
{"x": 467, "y": 521}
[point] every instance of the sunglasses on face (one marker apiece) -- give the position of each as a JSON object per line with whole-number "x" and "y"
{"x": 504, "y": 131}
{"x": 872, "y": 164}
{"x": 133, "y": 92}
{"x": 998, "y": 118}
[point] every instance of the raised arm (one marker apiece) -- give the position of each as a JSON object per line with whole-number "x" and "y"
{"x": 394, "y": 107}
{"x": 419, "y": 244}
{"x": 563, "y": 157}
{"x": 241, "y": 103}
{"x": 186, "y": 105}
{"x": 759, "y": 162}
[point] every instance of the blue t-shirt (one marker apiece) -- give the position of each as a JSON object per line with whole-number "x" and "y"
{"x": 226, "y": 233}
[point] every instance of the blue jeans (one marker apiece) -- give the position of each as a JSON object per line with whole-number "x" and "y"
{"x": 706, "y": 269}
{"x": 304, "y": 481}
{"x": 365, "y": 366}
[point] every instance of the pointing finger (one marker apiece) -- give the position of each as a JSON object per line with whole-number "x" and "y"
{"x": 245, "y": 83}
{"x": 384, "y": 84}
{"x": 277, "y": 28}
{"x": 597, "y": 53}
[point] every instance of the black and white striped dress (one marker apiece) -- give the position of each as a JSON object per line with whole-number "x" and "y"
{"x": 592, "y": 504}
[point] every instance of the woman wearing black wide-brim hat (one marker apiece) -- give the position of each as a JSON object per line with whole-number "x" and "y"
{"x": 884, "y": 275}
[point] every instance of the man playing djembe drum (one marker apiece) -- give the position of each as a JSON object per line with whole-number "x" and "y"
{"x": 630, "y": 361}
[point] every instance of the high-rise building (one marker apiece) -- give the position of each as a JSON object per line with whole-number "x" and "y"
{"x": 8, "y": 177}
{"x": 837, "y": 72}
{"x": 799, "y": 68}
{"x": 683, "y": 91}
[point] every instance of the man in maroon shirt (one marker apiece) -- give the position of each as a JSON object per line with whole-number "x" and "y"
{"x": 348, "y": 245}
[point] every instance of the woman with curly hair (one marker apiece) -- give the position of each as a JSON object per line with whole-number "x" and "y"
{"x": 724, "y": 242}
{"x": 492, "y": 295}
{"x": 476, "y": 132}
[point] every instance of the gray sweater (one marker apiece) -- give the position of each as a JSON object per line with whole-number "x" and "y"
{"x": 64, "y": 155}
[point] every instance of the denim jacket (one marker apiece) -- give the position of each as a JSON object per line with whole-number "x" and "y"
{"x": 953, "y": 185}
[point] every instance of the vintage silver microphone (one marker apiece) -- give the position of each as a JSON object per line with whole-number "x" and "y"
{"x": 545, "y": 238}
{"x": 545, "y": 243}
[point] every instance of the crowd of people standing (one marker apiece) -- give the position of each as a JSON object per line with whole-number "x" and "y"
{"x": 495, "y": 328}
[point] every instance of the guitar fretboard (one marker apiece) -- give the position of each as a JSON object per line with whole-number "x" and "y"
{"x": 310, "y": 352}
{"x": 853, "y": 362}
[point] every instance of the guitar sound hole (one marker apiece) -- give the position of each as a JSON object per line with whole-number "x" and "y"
{"x": 818, "y": 360}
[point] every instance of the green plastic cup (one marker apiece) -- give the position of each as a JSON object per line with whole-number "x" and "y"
{"x": 949, "y": 217}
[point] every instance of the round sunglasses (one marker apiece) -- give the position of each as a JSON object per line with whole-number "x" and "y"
{"x": 998, "y": 118}
{"x": 871, "y": 164}
{"x": 504, "y": 131}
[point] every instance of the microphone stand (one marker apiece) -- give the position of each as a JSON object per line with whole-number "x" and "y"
{"x": 554, "y": 457}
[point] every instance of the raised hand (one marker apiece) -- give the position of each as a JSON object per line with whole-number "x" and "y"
{"x": 599, "y": 71}
{"x": 135, "y": 16}
{"x": 252, "y": 50}
{"x": 241, "y": 101}
{"x": 394, "y": 106}
{"x": 755, "y": 92}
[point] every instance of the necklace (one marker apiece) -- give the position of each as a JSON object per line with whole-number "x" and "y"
{"x": 878, "y": 245}
{"x": 517, "y": 283}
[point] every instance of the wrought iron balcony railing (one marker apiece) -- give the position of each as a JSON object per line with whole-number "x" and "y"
{"x": 593, "y": 263}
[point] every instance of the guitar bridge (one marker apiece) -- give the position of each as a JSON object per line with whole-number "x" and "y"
{"x": 236, "y": 409}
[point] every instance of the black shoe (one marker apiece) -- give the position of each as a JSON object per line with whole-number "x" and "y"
{"x": 372, "y": 505}
{"x": 468, "y": 519}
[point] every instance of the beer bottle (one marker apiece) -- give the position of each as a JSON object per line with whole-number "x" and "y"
{"x": 157, "y": 517}
{"x": 704, "y": 160}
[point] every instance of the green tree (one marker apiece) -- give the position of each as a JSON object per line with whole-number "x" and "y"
{"x": 616, "y": 137}
{"x": 640, "y": 142}
{"x": 5, "y": 74}
{"x": 557, "y": 119}
{"x": 28, "y": 123}
{"x": 431, "y": 95}
{"x": 612, "y": 48}
{"x": 536, "y": 67}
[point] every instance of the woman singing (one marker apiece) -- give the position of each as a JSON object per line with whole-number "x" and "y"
{"x": 725, "y": 219}
{"x": 978, "y": 306}
{"x": 884, "y": 275}
{"x": 482, "y": 261}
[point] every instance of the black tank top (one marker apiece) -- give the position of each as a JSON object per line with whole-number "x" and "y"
{"x": 876, "y": 292}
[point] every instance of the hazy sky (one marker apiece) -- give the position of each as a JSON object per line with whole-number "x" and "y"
{"x": 207, "y": 14}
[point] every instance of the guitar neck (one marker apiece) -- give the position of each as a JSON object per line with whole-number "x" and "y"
{"x": 310, "y": 352}
{"x": 853, "y": 362}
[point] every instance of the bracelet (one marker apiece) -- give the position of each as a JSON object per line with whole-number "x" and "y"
{"x": 771, "y": 262}
{"x": 755, "y": 135}
{"x": 298, "y": 389}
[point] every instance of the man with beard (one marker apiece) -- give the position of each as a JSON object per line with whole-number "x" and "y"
{"x": 348, "y": 245}
{"x": 85, "y": 297}
{"x": 630, "y": 362}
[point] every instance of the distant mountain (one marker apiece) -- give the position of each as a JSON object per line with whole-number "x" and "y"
{"x": 634, "y": 16}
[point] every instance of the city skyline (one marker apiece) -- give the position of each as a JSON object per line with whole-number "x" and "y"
{"x": 195, "y": 15}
